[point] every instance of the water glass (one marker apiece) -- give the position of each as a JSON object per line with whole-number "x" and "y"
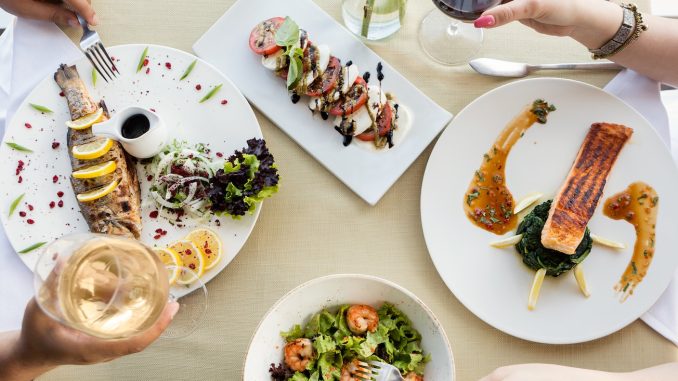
{"x": 373, "y": 19}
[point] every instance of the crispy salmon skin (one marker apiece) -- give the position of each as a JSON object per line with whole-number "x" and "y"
{"x": 578, "y": 198}
{"x": 119, "y": 212}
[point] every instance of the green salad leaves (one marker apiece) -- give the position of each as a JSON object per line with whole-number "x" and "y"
{"x": 395, "y": 341}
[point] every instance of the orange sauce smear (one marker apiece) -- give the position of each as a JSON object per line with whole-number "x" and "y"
{"x": 638, "y": 206}
{"x": 488, "y": 203}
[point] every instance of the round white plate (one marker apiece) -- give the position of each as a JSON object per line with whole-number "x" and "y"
{"x": 494, "y": 283}
{"x": 224, "y": 127}
{"x": 298, "y": 305}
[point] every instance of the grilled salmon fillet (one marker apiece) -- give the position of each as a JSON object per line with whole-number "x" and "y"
{"x": 578, "y": 198}
{"x": 119, "y": 212}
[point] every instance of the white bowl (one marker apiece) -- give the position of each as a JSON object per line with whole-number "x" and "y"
{"x": 330, "y": 291}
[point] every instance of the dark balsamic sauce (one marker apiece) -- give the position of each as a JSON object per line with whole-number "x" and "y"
{"x": 366, "y": 76}
{"x": 295, "y": 98}
{"x": 135, "y": 126}
{"x": 324, "y": 115}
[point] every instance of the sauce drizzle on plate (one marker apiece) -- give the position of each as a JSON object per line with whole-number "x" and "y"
{"x": 488, "y": 203}
{"x": 638, "y": 206}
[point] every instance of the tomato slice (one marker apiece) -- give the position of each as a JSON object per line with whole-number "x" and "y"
{"x": 262, "y": 37}
{"x": 328, "y": 81}
{"x": 384, "y": 122}
{"x": 353, "y": 100}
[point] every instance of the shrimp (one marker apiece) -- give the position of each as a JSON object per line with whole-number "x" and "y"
{"x": 361, "y": 318}
{"x": 413, "y": 377}
{"x": 298, "y": 353}
{"x": 354, "y": 371}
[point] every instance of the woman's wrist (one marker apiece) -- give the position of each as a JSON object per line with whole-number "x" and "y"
{"x": 599, "y": 22}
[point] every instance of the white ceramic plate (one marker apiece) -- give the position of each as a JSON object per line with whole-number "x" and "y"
{"x": 493, "y": 283}
{"x": 225, "y": 127}
{"x": 331, "y": 291}
{"x": 368, "y": 172}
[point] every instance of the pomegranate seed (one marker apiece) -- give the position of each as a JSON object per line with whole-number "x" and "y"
{"x": 52, "y": 204}
{"x": 61, "y": 203}
{"x": 30, "y": 207}
{"x": 192, "y": 266}
{"x": 152, "y": 109}
{"x": 55, "y": 145}
{"x": 159, "y": 231}
{"x": 22, "y": 214}
{"x": 28, "y": 125}
{"x": 156, "y": 236}
{"x": 153, "y": 214}
{"x": 189, "y": 252}
{"x": 145, "y": 62}
{"x": 55, "y": 179}
{"x": 164, "y": 232}
{"x": 21, "y": 179}
{"x": 148, "y": 70}
{"x": 61, "y": 94}
{"x": 149, "y": 178}
{"x": 168, "y": 65}
{"x": 224, "y": 102}
{"x": 198, "y": 87}
{"x": 30, "y": 222}
{"x": 112, "y": 58}
{"x": 208, "y": 251}
{"x": 219, "y": 154}
{"x": 60, "y": 194}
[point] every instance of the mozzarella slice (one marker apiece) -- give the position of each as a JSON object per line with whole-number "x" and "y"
{"x": 375, "y": 99}
{"x": 323, "y": 54}
{"x": 350, "y": 75}
{"x": 270, "y": 62}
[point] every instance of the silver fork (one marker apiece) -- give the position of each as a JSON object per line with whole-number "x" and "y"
{"x": 380, "y": 371}
{"x": 94, "y": 50}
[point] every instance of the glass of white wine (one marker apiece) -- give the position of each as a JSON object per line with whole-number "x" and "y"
{"x": 112, "y": 288}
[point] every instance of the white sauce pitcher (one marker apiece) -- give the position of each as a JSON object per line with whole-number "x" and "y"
{"x": 140, "y": 131}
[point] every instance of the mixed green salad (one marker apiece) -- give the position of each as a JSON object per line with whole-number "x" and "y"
{"x": 327, "y": 347}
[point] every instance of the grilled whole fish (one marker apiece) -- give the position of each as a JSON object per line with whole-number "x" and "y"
{"x": 119, "y": 212}
{"x": 577, "y": 200}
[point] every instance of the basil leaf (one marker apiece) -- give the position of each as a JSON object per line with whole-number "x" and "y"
{"x": 188, "y": 70}
{"x": 15, "y": 203}
{"x": 287, "y": 34}
{"x": 141, "y": 59}
{"x": 41, "y": 108}
{"x": 211, "y": 93}
{"x": 18, "y": 147}
{"x": 32, "y": 247}
{"x": 294, "y": 72}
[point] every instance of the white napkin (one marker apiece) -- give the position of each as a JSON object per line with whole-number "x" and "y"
{"x": 29, "y": 52}
{"x": 5, "y": 19}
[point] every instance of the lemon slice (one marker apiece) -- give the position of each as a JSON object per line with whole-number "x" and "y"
{"x": 192, "y": 258}
{"x": 527, "y": 201}
{"x": 607, "y": 242}
{"x": 92, "y": 150}
{"x": 86, "y": 121}
{"x": 173, "y": 262}
{"x": 506, "y": 242}
{"x": 98, "y": 192}
{"x": 581, "y": 281}
{"x": 98, "y": 170}
{"x": 209, "y": 244}
{"x": 536, "y": 287}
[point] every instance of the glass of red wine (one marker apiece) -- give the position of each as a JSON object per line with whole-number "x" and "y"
{"x": 453, "y": 41}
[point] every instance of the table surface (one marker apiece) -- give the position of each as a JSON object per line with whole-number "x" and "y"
{"x": 314, "y": 226}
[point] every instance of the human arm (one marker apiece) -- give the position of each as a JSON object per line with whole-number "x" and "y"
{"x": 43, "y": 344}
{"x": 60, "y": 12}
{"x": 547, "y": 372}
{"x": 592, "y": 23}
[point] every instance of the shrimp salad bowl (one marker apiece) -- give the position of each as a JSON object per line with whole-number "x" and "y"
{"x": 323, "y": 329}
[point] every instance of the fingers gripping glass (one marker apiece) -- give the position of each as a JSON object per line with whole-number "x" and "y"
{"x": 114, "y": 288}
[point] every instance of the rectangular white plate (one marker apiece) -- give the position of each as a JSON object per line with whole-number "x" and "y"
{"x": 368, "y": 172}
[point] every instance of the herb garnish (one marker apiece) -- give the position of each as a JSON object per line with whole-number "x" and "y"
{"x": 211, "y": 93}
{"x": 287, "y": 37}
{"x": 480, "y": 176}
{"x": 541, "y": 108}
{"x": 188, "y": 71}
{"x": 94, "y": 77}
{"x": 472, "y": 196}
{"x": 18, "y": 147}
{"x": 32, "y": 247}
{"x": 142, "y": 59}
{"x": 641, "y": 199}
{"x": 41, "y": 108}
{"x": 655, "y": 200}
{"x": 14, "y": 204}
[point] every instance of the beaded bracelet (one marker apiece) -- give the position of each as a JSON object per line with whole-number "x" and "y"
{"x": 631, "y": 28}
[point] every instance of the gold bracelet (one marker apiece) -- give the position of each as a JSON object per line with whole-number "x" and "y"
{"x": 631, "y": 28}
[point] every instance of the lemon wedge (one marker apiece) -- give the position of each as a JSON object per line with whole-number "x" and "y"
{"x": 172, "y": 260}
{"x": 86, "y": 121}
{"x": 193, "y": 260}
{"x": 536, "y": 287}
{"x": 92, "y": 150}
{"x": 607, "y": 242}
{"x": 581, "y": 281}
{"x": 98, "y": 170}
{"x": 98, "y": 193}
{"x": 506, "y": 242}
{"x": 209, "y": 244}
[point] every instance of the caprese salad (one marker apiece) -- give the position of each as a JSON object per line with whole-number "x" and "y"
{"x": 360, "y": 109}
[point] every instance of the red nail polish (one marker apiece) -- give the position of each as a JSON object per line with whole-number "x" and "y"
{"x": 484, "y": 21}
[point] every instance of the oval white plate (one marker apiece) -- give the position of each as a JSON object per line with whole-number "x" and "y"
{"x": 225, "y": 127}
{"x": 493, "y": 283}
{"x": 298, "y": 305}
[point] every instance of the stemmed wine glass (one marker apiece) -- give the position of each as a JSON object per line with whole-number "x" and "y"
{"x": 113, "y": 288}
{"x": 453, "y": 41}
